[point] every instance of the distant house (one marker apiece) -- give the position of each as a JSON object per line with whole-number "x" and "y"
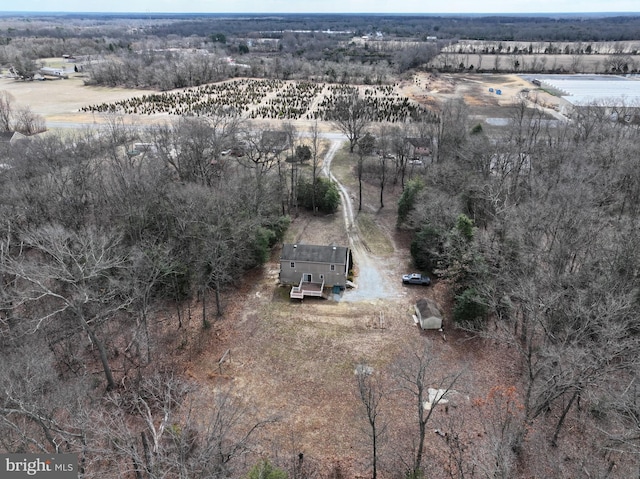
{"x": 420, "y": 148}
{"x": 428, "y": 315}
{"x": 311, "y": 268}
{"x": 275, "y": 141}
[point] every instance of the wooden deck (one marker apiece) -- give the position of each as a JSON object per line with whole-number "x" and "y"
{"x": 306, "y": 289}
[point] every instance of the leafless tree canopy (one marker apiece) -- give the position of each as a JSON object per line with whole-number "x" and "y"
{"x": 120, "y": 246}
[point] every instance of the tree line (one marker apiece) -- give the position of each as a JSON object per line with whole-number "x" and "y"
{"x": 533, "y": 228}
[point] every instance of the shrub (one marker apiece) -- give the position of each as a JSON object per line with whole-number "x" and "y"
{"x": 469, "y": 310}
{"x": 331, "y": 199}
{"x": 279, "y": 227}
{"x": 407, "y": 201}
{"x": 426, "y": 248}
{"x": 261, "y": 244}
{"x": 326, "y": 194}
{"x": 265, "y": 470}
{"x": 464, "y": 225}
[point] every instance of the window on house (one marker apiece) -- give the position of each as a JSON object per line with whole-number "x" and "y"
{"x": 333, "y": 267}
{"x": 293, "y": 265}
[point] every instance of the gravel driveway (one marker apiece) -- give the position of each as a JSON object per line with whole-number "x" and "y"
{"x": 373, "y": 280}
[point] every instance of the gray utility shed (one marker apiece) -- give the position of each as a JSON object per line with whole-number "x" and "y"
{"x": 428, "y": 314}
{"x": 307, "y": 263}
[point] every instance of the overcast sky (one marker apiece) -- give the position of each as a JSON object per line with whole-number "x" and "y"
{"x": 323, "y": 6}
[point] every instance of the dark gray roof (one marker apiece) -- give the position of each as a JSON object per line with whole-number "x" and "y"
{"x": 314, "y": 253}
{"x": 428, "y": 308}
{"x": 420, "y": 142}
{"x": 274, "y": 140}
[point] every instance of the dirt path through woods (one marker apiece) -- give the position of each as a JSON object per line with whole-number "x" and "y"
{"x": 373, "y": 279}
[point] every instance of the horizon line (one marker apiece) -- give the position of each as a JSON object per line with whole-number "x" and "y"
{"x": 318, "y": 13}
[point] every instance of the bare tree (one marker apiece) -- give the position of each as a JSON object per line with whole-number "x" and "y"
{"x": 414, "y": 373}
{"x": 384, "y": 148}
{"x": 352, "y": 116}
{"x": 382, "y": 178}
{"x": 152, "y": 272}
{"x": 226, "y": 249}
{"x": 27, "y": 122}
{"x": 24, "y": 68}
{"x": 315, "y": 162}
{"x": 279, "y": 142}
{"x": 366, "y": 145}
{"x": 187, "y": 149}
{"x": 63, "y": 274}
{"x": 452, "y": 130}
{"x": 620, "y": 63}
{"x": 6, "y": 111}
{"x": 258, "y": 157}
{"x": 400, "y": 147}
{"x": 502, "y": 417}
{"x": 35, "y": 410}
{"x": 157, "y": 428}
{"x": 370, "y": 392}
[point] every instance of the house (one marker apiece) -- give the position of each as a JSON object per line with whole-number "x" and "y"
{"x": 275, "y": 141}
{"x": 420, "y": 148}
{"x": 311, "y": 268}
{"x": 428, "y": 315}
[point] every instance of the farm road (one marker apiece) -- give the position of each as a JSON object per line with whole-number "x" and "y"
{"x": 373, "y": 280}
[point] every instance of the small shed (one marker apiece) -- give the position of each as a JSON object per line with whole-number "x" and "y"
{"x": 428, "y": 314}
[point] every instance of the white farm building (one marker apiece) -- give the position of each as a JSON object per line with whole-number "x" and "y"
{"x": 609, "y": 91}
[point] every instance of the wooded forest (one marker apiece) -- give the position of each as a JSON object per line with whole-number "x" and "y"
{"x": 110, "y": 235}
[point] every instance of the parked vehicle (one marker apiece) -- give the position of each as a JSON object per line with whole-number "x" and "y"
{"x": 416, "y": 278}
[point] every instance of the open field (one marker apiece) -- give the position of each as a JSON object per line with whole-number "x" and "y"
{"x": 429, "y": 89}
{"x": 61, "y": 101}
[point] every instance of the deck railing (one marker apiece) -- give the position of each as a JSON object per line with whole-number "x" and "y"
{"x": 306, "y": 288}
